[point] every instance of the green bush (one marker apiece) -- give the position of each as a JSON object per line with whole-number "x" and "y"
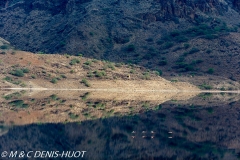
{"x": 18, "y": 104}
{"x": 74, "y": 61}
{"x": 100, "y": 73}
{"x": 25, "y": 70}
{"x": 89, "y": 63}
{"x": 17, "y": 72}
{"x": 63, "y": 76}
{"x": 205, "y": 86}
{"x": 9, "y": 79}
{"x": 54, "y": 97}
{"x": 85, "y": 82}
{"x": 33, "y": 76}
{"x": 54, "y": 80}
{"x": 73, "y": 116}
{"x": 12, "y": 96}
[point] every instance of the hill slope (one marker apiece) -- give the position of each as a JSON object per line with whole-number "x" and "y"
{"x": 139, "y": 32}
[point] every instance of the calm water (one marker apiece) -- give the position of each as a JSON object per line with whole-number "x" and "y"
{"x": 199, "y": 129}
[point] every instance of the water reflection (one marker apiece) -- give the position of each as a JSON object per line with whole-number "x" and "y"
{"x": 203, "y": 127}
{"x": 24, "y": 107}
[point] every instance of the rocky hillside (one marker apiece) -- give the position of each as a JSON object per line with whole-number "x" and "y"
{"x": 197, "y": 133}
{"x": 177, "y": 38}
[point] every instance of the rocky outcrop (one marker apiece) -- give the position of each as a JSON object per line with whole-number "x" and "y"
{"x": 69, "y": 26}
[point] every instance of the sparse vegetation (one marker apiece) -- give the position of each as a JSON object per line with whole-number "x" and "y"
{"x": 11, "y": 80}
{"x": 63, "y": 76}
{"x": 205, "y": 86}
{"x": 13, "y": 96}
{"x": 85, "y": 96}
{"x": 146, "y": 76}
{"x": 73, "y": 116}
{"x": 54, "y": 97}
{"x": 89, "y": 63}
{"x": 25, "y": 70}
{"x": 33, "y": 76}
{"x": 99, "y": 74}
{"x": 54, "y": 80}
{"x": 85, "y": 82}
{"x": 74, "y": 61}
{"x": 18, "y": 104}
{"x": 17, "y": 72}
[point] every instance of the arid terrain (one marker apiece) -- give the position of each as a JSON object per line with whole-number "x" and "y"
{"x": 39, "y": 88}
{"x": 121, "y": 79}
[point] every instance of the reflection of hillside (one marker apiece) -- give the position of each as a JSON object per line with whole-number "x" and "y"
{"x": 206, "y": 99}
{"x": 3, "y": 130}
{"x": 25, "y": 107}
{"x": 209, "y": 132}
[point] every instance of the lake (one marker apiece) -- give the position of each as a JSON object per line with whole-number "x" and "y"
{"x": 204, "y": 126}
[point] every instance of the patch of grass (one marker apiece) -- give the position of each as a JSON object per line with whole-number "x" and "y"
{"x": 54, "y": 97}
{"x": 146, "y": 76}
{"x": 111, "y": 65}
{"x": 159, "y": 72}
{"x": 11, "y": 80}
{"x": 85, "y": 82}
{"x": 89, "y": 63}
{"x": 205, "y": 86}
{"x": 13, "y": 96}
{"x": 17, "y": 72}
{"x": 73, "y": 116}
{"x": 54, "y": 80}
{"x": 85, "y": 96}
{"x": 99, "y": 105}
{"x": 74, "y": 61}
{"x": 33, "y": 76}
{"x": 25, "y": 70}
{"x": 18, "y": 104}
{"x": 72, "y": 71}
{"x": 99, "y": 74}
{"x": 63, "y": 76}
